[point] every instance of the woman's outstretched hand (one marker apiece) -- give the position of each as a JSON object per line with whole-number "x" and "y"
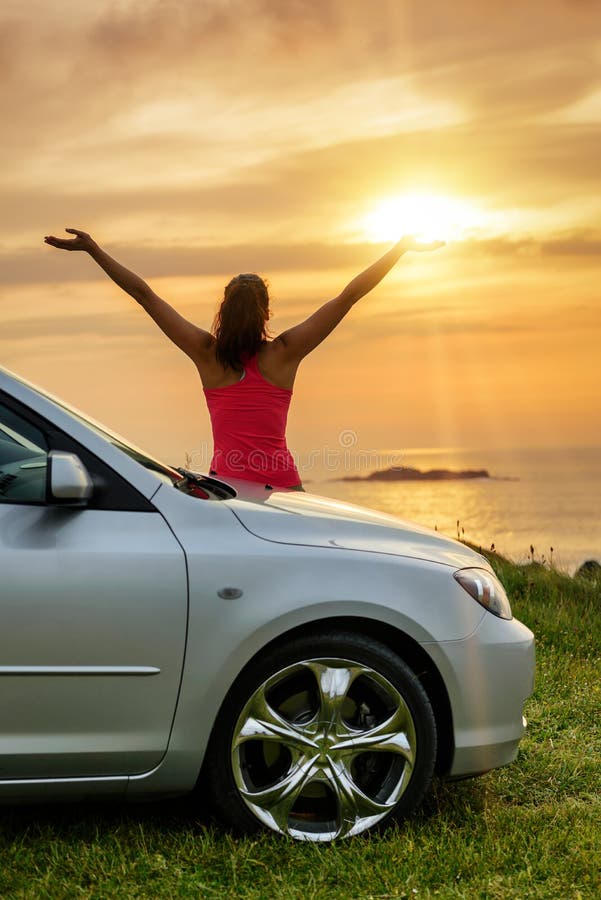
{"x": 81, "y": 241}
{"x": 410, "y": 242}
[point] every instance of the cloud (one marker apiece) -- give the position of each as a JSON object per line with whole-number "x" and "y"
{"x": 46, "y": 265}
{"x": 223, "y": 127}
{"x": 314, "y": 194}
{"x": 74, "y": 325}
{"x": 573, "y": 244}
{"x": 76, "y": 73}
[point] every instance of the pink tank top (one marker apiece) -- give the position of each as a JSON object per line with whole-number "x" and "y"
{"x": 248, "y": 419}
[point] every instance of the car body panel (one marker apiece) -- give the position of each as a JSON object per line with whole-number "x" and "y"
{"x": 279, "y": 594}
{"x": 315, "y": 521}
{"x": 488, "y": 676}
{"x": 92, "y": 602}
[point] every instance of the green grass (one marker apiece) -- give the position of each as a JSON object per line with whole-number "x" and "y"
{"x": 530, "y": 830}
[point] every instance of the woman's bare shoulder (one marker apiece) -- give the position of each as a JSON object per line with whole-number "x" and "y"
{"x": 212, "y": 373}
{"x": 275, "y": 363}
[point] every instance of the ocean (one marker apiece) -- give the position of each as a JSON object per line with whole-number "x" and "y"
{"x": 546, "y": 499}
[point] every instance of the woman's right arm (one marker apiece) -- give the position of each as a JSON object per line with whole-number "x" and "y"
{"x": 187, "y": 336}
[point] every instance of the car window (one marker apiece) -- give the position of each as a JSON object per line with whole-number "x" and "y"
{"x": 23, "y": 458}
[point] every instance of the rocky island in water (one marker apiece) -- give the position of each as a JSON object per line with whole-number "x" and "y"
{"x": 406, "y": 473}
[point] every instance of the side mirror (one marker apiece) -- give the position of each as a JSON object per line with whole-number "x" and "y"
{"x": 68, "y": 482}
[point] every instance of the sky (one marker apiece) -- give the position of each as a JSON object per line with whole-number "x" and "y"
{"x": 299, "y": 139}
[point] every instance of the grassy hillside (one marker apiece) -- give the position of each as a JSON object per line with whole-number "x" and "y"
{"x": 529, "y": 830}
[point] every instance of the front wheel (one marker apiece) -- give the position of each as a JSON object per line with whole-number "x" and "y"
{"x": 322, "y": 738}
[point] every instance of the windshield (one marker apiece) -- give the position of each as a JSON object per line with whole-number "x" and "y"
{"x": 167, "y": 473}
{"x": 195, "y": 484}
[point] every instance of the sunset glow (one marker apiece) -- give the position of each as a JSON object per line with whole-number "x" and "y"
{"x": 428, "y": 217}
{"x": 299, "y": 140}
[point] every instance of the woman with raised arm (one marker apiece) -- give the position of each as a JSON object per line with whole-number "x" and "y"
{"x": 247, "y": 378}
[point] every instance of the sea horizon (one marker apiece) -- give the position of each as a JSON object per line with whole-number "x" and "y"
{"x": 536, "y": 497}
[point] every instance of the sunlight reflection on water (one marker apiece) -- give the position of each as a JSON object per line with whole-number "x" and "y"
{"x": 544, "y": 498}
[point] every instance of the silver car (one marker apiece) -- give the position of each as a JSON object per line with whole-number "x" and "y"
{"x": 311, "y": 663}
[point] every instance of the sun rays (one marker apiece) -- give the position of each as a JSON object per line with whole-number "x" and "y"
{"x": 428, "y": 217}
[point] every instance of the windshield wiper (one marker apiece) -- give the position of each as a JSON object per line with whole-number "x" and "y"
{"x": 216, "y": 489}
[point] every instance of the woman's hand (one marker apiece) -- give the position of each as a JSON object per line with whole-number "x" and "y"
{"x": 410, "y": 242}
{"x": 81, "y": 241}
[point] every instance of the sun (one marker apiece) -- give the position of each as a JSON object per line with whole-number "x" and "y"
{"x": 428, "y": 217}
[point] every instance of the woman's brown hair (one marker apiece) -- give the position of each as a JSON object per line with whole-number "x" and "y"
{"x": 240, "y": 326}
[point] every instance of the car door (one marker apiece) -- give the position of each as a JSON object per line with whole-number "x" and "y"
{"x": 93, "y": 609}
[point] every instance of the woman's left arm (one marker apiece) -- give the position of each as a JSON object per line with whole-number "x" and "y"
{"x": 301, "y": 339}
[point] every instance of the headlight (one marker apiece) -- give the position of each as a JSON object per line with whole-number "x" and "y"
{"x": 486, "y": 588}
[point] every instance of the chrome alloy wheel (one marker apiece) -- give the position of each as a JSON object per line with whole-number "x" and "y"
{"x": 323, "y": 749}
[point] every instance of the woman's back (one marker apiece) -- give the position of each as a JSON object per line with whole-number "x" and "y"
{"x": 274, "y": 365}
{"x": 248, "y": 419}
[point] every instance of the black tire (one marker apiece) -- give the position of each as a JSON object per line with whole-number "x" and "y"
{"x": 395, "y": 777}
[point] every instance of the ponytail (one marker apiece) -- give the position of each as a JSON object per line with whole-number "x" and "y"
{"x": 240, "y": 326}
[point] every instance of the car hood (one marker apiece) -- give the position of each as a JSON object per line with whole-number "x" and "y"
{"x": 308, "y": 519}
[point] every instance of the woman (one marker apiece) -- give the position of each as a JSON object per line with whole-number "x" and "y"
{"x": 247, "y": 378}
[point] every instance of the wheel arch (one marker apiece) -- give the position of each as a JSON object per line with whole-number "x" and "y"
{"x": 400, "y": 643}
